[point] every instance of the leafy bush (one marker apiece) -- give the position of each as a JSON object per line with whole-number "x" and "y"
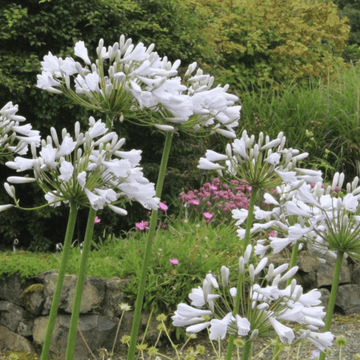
{"x": 265, "y": 41}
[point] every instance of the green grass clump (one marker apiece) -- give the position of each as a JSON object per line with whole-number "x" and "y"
{"x": 321, "y": 119}
{"x": 199, "y": 247}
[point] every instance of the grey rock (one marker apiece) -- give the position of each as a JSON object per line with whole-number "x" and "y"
{"x": 15, "y": 342}
{"x": 306, "y": 262}
{"x": 11, "y": 287}
{"x": 98, "y": 331}
{"x": 348, "y": 298}
{"x": 41, "y": 277}
{"x": 114, "y": 296}
{"x": 355, "y": 274}
{"x": 15, "y": 318}
{"x": 92, "y": 298}
{"x": 325, "y": 273}
{"x": 32, "y": 298}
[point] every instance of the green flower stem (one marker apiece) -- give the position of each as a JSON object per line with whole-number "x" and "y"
{"x": 153, "y": 222}
{"x": 249, "y": 221}
{"x": 60, "y": 280}
{"x": 293, "y": 261}
{"x": 79, "y": 285}
{"x": 334, "y": 288}
{"x": 246, "y": 350}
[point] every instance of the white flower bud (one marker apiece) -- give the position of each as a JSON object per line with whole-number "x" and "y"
{"x": 54, "y": 137}
{"x": 247, "y": 253}
{"x": 341, "y": 180}
{"x": 335, "y": 180}
{"x": 241, "y": 265}
{"x": 9, "y": 189}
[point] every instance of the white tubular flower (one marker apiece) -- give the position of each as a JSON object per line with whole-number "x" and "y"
{"x": 208, "y": 165}
{"x": 322, "y": 341}
{"x": 20, "y": 164}
{"x": 5, "y": 207}
{"x": 196, "y": 328}
{"x": 188, "y": 312}
{"x": 285, "y": 333}
{"x": 53, "y": 199}
{"x": 197, "y": 297}
{"x": 218, "y": 328}
{"x": 66, "y": 171}
{"x": 20, "y": 180}
{"x": 243, "y": 324}
{"x": 96, "y": 202}
{"x": 225, "y": 273}
{"x": 81, "y": 51}
{"x": 118, "y": 210}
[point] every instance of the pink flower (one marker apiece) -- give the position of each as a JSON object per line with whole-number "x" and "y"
{"x": 208, "y": 203}
{"x": 208, "y": 215}
{"x": 194, "y": 202}
{"x": 162, "y": 206}
{"x": 96, "y": 220}
{"x": 336, "y": 188}
{"x": 143, "y": 225}
{"x": 174, "y": 261}
{"x": 162, "y": 225}
{"x": 272, "y": 233}
{"x": 274, "y": 191}
{"x": 248, "y": 188}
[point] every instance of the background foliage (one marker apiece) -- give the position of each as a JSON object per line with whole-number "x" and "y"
{"x": 243, "y": 43}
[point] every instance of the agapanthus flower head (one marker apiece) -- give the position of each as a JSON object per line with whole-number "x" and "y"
{"x": 266, "y": 310}
{"x": 134, "y": 82}
{"x": 260, "y": 163}
{"x": 88, "y": 170}
{"x": 15, "y": 138}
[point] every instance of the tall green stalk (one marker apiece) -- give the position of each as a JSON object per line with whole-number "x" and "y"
{"x": 60, "y": 280}
{"x": 249, "y": 221}
{"x": 332, "y": 299}
{"x": 79, "y": 285}
{"x": 153, "y": 222}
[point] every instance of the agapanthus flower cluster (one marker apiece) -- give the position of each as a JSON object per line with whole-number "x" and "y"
{"x": 322, "y": 217}
{"x": 268, "y": 307}
{"x": 15, "y": 138}
{"x": 89, "y": 169}
{"x": 125, "y": 78}
{"x": 216, "y": 198}
{"x": 264, "y": 164}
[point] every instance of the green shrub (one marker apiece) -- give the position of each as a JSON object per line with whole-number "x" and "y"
{"x": 274, "y": 40}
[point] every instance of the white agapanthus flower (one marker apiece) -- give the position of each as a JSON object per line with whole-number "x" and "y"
{"x": 266, "y": 309}
{"x": 322, "y": 217}
{"x": 15, "y": 138}
{"x": 263, "y": 164}
{"x": 128, "y": 78}
{"x": 89, "y": 169}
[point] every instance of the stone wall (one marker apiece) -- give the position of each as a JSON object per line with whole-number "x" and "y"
{"x": 24, "y": 307}
{"x": 24, "y": 310}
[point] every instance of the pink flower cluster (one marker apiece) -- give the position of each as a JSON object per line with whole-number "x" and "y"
{"x": 143, "y": 225}
{"x": 214, "y": 195}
